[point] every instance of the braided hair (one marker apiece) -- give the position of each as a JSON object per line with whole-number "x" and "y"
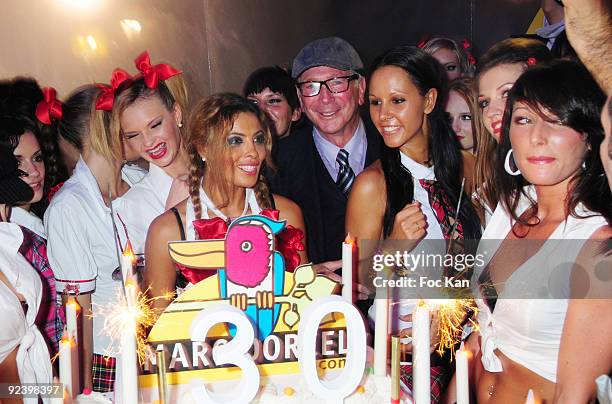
{"x": 209, "y": 123}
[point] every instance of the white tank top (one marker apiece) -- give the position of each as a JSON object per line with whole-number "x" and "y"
{"x": 403, "y": 306}
{"x": 250, "y": 204}
{"x": 528, "y": 330}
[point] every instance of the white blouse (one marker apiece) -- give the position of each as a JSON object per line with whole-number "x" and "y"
{"x": 526, "y": 329}
{"x": 28, "y": 220}
{"x": 420, "y": 172}
{"x": 403, "y": 306}
{"x": 18, "y": 329}
{"x": 142, "y": 204}
{"x": 206, "y": 204}
{"x": 82, "y": 247}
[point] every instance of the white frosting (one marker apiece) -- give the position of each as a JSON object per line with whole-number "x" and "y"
{"x": 93, "y": 398}
{"x": 373, "y": 389}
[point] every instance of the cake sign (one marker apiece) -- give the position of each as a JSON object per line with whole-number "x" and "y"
{"x": 198, "y": 329}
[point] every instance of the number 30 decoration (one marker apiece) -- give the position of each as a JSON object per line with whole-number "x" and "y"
{"x": 344, "y": 384}
{"x": 236, "y": 351}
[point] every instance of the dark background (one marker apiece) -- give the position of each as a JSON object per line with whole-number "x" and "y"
{"x": 217, "y": 43}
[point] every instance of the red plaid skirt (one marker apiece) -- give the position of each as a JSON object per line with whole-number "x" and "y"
{"x": 440, "y": 377}
{"x": 103, "y": 373}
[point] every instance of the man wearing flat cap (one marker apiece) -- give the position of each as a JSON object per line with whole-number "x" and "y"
{"x": 318, "y": 163}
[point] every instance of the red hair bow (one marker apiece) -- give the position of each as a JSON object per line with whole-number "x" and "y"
{"x": 107, "y": 94}
{"x": 154, "y": 73}
{"x": 49, "y": 107}
{"x": 288, "y": 242}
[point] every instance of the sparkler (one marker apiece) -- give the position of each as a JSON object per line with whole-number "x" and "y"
{"x": 451, "y": 314}
{"x": 454, "y": 227}
{"x": 118, "y": 317}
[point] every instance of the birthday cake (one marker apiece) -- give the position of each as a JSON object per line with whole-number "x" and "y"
{"x": 255, "y": 332}
{"x": 282, "y": 389}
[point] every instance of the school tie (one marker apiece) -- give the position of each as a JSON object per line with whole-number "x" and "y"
{"x": 346, "y": 176}
{"x": 442, "y": 207}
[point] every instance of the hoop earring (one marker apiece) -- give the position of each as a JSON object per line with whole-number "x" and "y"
{"x": 507, "y": 165}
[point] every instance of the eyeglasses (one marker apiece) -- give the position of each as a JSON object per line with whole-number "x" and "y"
{"x": 334, "y": 85}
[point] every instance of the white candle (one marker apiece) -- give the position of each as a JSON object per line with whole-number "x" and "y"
{"x": 420, "y": 355}
{"x": 67, "y": 365}
{"x": 131, "y": 291}
{"x": 381, "y": 332}
{"x": 129, "y": 368}
{"x": 530, "y": 397}
{"x": 130, "y": 282}
{"x": 347, "y": 269}
{"x": 461, "y": 376}
{"x": 72, "y": 307}
{"x": 127, "y": 262}
{"x": 65, "y": 399}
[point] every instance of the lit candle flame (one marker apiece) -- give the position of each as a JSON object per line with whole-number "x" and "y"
{"x": 66, "y": 338}
{"x": 349, "y": 240}
{"x": 73, "y": 303}
{"x": 128, "y": 251}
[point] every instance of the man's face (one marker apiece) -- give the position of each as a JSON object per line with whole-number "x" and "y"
{"x": 333, "y": 114}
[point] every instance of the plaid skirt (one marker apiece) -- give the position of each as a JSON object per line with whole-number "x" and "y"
{"x": 440, "y": 377}
{"x": 103, "y": 373}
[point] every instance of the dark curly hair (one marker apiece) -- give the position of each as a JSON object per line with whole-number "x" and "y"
{"x": 18, "y": 100}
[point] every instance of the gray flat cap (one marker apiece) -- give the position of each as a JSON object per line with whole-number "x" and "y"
{"x": 333, "y": 52}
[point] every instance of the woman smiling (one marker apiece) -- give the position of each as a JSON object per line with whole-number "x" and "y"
{"x": 229, "y": 143}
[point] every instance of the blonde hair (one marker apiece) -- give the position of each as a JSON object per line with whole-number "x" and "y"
{"x": 484, "y": 144}
{"x": 82, "y": 123}
{"x": 209, "y": 124}
{"x": 171, "y": 92}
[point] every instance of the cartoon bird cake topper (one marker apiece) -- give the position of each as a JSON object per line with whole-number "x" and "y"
{"x": 248, "y": 267}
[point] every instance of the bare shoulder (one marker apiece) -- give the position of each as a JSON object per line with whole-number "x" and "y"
{"x": 586, "y": 279}
{"x": 370, "y": 182}
{"x": 165, "y": 226}
{"x": 284, "y": 204}
{"x": 289, "y": 211}
{"x": 603, "y": 233}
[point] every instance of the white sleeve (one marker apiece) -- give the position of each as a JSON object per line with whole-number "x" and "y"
{"x": 13, "y": 323}
{"x": 68, "y": 249}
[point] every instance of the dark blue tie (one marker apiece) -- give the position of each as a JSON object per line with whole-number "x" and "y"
{"x": 346, "y": 176}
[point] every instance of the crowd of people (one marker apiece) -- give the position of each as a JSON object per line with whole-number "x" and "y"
{"x": 426, "y": 144}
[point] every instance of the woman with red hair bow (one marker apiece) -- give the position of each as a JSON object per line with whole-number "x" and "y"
{"x": 147, "y": 117}
{"x": 28, "y": 113}
{"x": 82, "y": 245}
